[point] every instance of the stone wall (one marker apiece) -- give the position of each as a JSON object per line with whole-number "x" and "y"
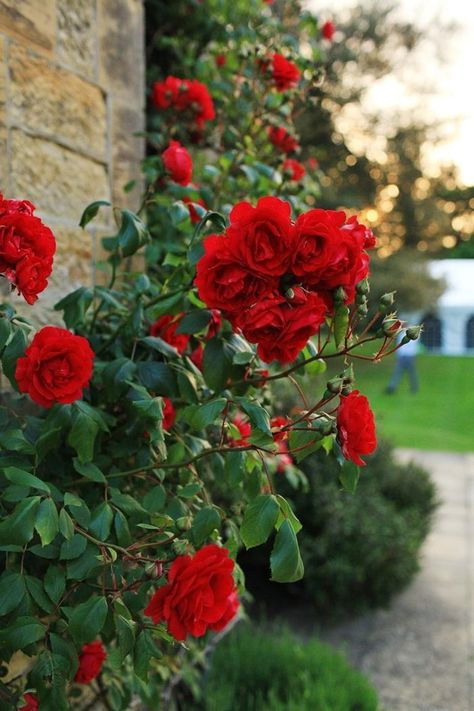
{"x": 71, "y": 98}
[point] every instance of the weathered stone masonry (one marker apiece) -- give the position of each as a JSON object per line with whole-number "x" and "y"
{"x": 71, "y": 98}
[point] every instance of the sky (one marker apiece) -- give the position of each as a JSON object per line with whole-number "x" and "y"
{"x": 454, "y": 99}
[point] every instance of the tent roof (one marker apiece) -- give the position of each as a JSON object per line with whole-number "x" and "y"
{"x": 459, "y": 276}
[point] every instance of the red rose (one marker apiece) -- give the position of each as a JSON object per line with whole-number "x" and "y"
{"x": 214, "y": 325}
{"x": 313, "y": 164}
{"x": 223, "y": 282}
{"x": 282, "y": 140}
{"x": 276, "y": 423}
{"x": 354, "y": 226}
{"x": 285, "y": 74}
{"x": 165, "y": 328}
{"x": 193, "y": 213}
{"x": 245, "y": 430}
{"x": 260, "y": 236}
{"x": 57, "y": 365}
{"x": 284, "y": 459}
{"x": 165, "y": 93}
{"x": 200, "y": 594}
{"x": 220, "y": 60}
{"x": 184, "y": 95}
{"x": 169, "y": 414}
{"x": 316, "y": 237}
{"x": 294, "y": 168}
{"x": 178, "y": 163}
{"x": 197, "y": 356}
{"x": 349, "y": 263}
{"x": 91, "y": 659}
{"x": 31, "y": 702}
{"x": 327, "y": 30}
{"x": 281, "y": 330}
{"x": 355, "y": 427}
{"x": 27, "y": 248}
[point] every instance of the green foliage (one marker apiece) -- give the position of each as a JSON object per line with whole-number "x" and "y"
{"x": 254, "y": 670}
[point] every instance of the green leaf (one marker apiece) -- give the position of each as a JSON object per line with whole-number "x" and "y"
{"x": 66, "y": 650}
{"x": 89, "y": 471}
{"x": 5, "y": 331}
{"x": 126, "y": 635}
{"x": 285, "y": 560}
{"x": 36, "y": 590}
{"x": 132, "y": 235}
{"x": 309, "y": 442}
{"x": 187, "y": 386}
{"x": 341, "y": 321}
{"x": 18, "y": 527}
{"x": 349, "y": 477}
{"x": 18, "y": 476}
{"x": 87, "y": 619}
{"x": 157, "y": 377}
{"x": 194, "y": 321}
{"x": 101, "y": 521}
{"x": 155, "y": 499}
{"x": 205, "y": 521}
{"x": 199, "y": 417}
{"x": 286, "y": 513}
{"x": 75, "y": 306}
{"x": 47, "y": 521}
{"x": 234, "y": 467}
{"x": 91, "y": 211}
{"x": 73, "y": 548}
{"x": 55, "y": 583}
{"x": 12, "y": 352}
{"x": 159, "y": 345}
{"x": 122, "y": 530}
{"x": 66, "y": 525}
{"x": 145, "y": 649}
{"x": 12, "y": 592}
{"x": 178, "y": 212}
{"x": 23, "y": 632}
{"x": 126, "y": 503}
{"x": 259, "y": 520}
{"x": 82, "y": 436}
{"x": 216, "y": 364}
{"x": 258, "y": 416}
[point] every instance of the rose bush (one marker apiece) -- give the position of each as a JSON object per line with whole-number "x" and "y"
{"x": 137, "y": 421}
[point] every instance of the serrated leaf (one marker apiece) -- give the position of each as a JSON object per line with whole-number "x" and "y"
{"x": 303, "y": 443}
{"x": 66, "y": 526}
{"x": 205, "y": 521}
{"x": 47, "y": 521}
{"x": 132, "y": 235}
{"x": 87, "y": 619}
{"x": 73, "y": 548}
{"x": 91, "y": 211}
{"x": 285, "y": 560}
{"x": 101, "y": 521}
{"x": 23, "y": 632}
{"x": 36, "y": 590}
{"x": 89, "y": 470}
{"x": 200, "y": 416}
{"x": 55, "y": 583}
{"x": 349, "y": 477}
{"x": 18, "y": 527}
{"x": 194, "y": 321}
{"x": 257, "y": 414}
{"x": 18, "y": 476}
{"x": 259, "y": 520}
{"x": 12, "y": 592}
{"x": 287, "y": 513}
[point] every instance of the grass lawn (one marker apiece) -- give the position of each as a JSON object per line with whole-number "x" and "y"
{"x": 440, "y": 416}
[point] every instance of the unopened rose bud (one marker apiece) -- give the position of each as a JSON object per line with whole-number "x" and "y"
{"x": 335, "y": 384}
{"x": 339, "y": 295}
{"x": 360, "y": 299}
{"x": 324, "y": 425}
{"x": 413, "y": 333}
{"x": 363, "y": 287}
{"x": 386, "y": 301}
{"x": 346, "y": 389}
{"x": 391, "y": 327}
{"x": 362, "y": 310}
{"x": 299, "y": 295}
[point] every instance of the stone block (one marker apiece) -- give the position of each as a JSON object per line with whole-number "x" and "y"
{"x": 77, "y": 35}
{"x": 32, "y": 21}
{"x": 127, "y": 153}
{"x": 55, "y": 103}
{"x": 58, "y": 181}
{"x": 3, "y": 71}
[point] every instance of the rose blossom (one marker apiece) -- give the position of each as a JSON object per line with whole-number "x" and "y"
{"x": 178, "y": 163}
{"x": 184, "y": 95}
{"x": 285, "y": 74}
{"x": 169, "y": 414}
{"x": 31, "y": 702}
{"x": 91, "y": 659}
{"x": 200, "y": 594}
{"x": 197, "y": 356}
{"x": 225, "y": 283}
{"x": 294, "y": 168}
{"x": 260, "y": 236}
{"x": 193, "y": 213}
{"x": 279, "y": 421}
{"x": 57, "y": 365}
{"x": 282, "y": 140}
{"x": 353, "y": 225}
{"x": 316, "y": 238}
{"x": 280, "y": 330}
{"x": 355, "y": 427}
{"x": 165, "y": 328}
{"x": 327, "y": 30}
{"x": 245, "y": 430}
{"x": 220, "y": 60}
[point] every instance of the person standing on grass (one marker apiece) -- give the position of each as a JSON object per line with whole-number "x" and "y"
{"x": 406, "y": 357}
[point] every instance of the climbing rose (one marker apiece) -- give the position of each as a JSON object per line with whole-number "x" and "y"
{"x": 220, "y": 60}
{"x": 200, "y": 594}
{"x": 355, "y": 427}
{"x": 187, "y": 95}
{"x": 169, "y": 414}
{"x": 27, "y": 248}
{"x": 282, "y": 140}
{"x": 178, "y": 163}
{"x": 327, "y": 30}
{"x": 165, "y": 93}
{"x": 260, "y": 236}
{"x": 294, "y": 168}
{"x": 316, "y": 242}
{"x": 57, "y": 365}
{"x": 91, "y": 659}
{"x": 278, "y": 422}
{"x": 31, "y": 702}
{"x": 165, "y": 328}
{"x": 279, "y": 329}
{"x": 354, "y": 226}
{"x": 197, "y": 356}
{"x": 245, "y": 430}
{"x": 285, "y": 74}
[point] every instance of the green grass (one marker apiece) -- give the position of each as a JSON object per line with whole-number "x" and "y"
{"x": 253, "y": 670}
{"x": 439, "y": 416}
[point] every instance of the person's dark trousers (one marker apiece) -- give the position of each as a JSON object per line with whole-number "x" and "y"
{"x": 404, "y": 363}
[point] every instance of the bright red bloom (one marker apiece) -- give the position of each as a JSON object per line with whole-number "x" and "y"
{"x": 327, "y": 30}
{"x": 184, "y": 95}
{"x": 245, "y": 430}
{"x": 313, "y": 164}
{"x": 260, "y": 236}
{"x": 27, "y": 248}
{"x": 279, "y": 421}
{"x": 354, "y": 226}
{"x": 284, "y": 459}
{"x": 31, "y": 702}
{"x": 286, "y": 75}
{"x": 355, "y": 427}
{"x": 214, "y": 324}
{"x": 200, "y": 594}
{"x": 193, "y": 213}
{"x": 282, "y": 140}
{"x": 281, "y": 330}
{"x": 57, "y": 365}
{"x": 316, "y": 238}
{"x": 91, "y": 659}
{"x": 199, "y": 101}
{"x": 178, "y": 163}
{"x": 169, "y": 414}
{"x": 221, "y": 60}
{"x": 197, "y": 356}
{"x": 294, "y": 168}
{"x": 165, "y": 328}
{"x": 165, "y": 93}
{"x": 225, "y": 283}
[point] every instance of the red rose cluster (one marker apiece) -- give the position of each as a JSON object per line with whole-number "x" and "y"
{"x": 27, "y": 248}
{"x": 282, "y": 140}
{"x": 56, "y": 366}
{"x": 286, "y": 75}
{"x": 91, "y": 659}
{"x": 184, "y": 95}
{"x": 294, "y": 168}
{"x": 273, "y": 279}
{"x": 355, "y": 427}
{"x": 200, "y": 594}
